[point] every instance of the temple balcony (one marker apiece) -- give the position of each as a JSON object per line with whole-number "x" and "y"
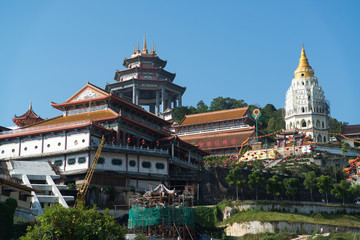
{"x": 211, "y": 129}
{"x": 134, "y": 150}
{"x": 183, "y": 163}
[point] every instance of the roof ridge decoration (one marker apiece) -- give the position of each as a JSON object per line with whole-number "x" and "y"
{"x": 219, "y": 111}
{"x": 89, "y": 91}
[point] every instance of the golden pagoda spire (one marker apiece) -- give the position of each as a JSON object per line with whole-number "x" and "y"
{"x": 304, "y": 67}
{"x": 153, "y": 50}
{"x": 138, "y": 49}
{"x": 144, "y": 50}
{"x": 134, "y": 49}
{"x": 30, "y": 106}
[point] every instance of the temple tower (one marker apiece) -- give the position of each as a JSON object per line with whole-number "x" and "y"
{"x": 145, "y": 82}
{"x": 306, "y": 108}
{"x": 28, "y": 118}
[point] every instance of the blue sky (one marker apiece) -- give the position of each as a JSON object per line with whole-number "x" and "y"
{"x": 239, "y": 49}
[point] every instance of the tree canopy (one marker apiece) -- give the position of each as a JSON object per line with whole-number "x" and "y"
{"x": 235, "y": 179}
{"x": 256, "y": 179}
{"x": 75, "y": 223}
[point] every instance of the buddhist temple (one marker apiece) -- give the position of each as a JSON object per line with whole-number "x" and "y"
{"x": 144, "y": 82}
{"x": 139, "y": 151}
{"x": 306, "y": 108}
{"x": 219, "y": 132}
{"x": 28, "y": 118}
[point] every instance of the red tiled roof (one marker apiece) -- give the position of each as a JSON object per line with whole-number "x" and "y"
{"x": 214, "y": 116}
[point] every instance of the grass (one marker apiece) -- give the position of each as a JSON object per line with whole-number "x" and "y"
{"x": 325, "y": 219}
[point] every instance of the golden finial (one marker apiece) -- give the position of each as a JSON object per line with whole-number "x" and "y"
{"x": 134, "y": 49}
{"x": 30, "y": 106}
{"x": 153, "y": 49}
{"x": 144, "y": 50}
{"x": 138, "y": 49}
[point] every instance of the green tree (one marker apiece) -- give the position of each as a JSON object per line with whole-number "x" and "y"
{"x": 273, "y": 186}
{"x": 324, "y": 184}
{"x": 344, "y": 148}
{"x": 235, "y": 179}
{"x": 291, "y": 186}
{"x": 355, "y": 190}
{"x": 7, "y": 210}
{"x": 180, "y": 112}
{"x": 221, "y": 103}
{"x": 201, "y": 107}
{"x": 75, "y": 223}
{"x": 341, "y": 190}
{"x": 335, "y": 125}
{"x": 256, "y": 179}
{"x": 310, "y": 182}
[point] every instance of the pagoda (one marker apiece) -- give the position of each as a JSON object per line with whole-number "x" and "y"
{"x": 28, "y": 118}
{"x": 144, "y": 82}
{"x": 306, "y": 108}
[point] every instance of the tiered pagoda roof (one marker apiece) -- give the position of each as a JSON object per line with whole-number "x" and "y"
{"x": 144, "y": 62}
{"x": 28, "y": 118}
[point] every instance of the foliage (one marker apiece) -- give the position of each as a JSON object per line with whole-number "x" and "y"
{"x": 235, "y": 179}
{"x": 206, "y": 216}
{"x": 256, "y": 179}
{"x": 291, "y": 186}
{"x": 273, "y": 186}
{"x": 310, "y": 182}
{"x": 71, "y": 186}
{"x": 344, "y": 148}
{"x": 221, "y": 103}
{"x": 180, "y": 112}
{"x": 341, "y": 220}
{"x": 355, "y": 190}
{"x": 269, "y": 236}
{"x": 324, "y": 184}
{"x": 335, "y": 125}
{"x": 341, "y": 190}
{"x": 7, "y": 210}
{"x": 223, "y": 204}
{"x": 75, "y": 223}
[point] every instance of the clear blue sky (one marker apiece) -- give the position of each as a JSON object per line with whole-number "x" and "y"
{"x": 239, "y": 49}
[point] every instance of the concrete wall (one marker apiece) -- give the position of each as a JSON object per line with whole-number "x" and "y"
{"x": 300, "y": 207}
{"x": 253, "y": 227}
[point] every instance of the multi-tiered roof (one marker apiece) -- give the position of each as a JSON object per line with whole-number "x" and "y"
{"x": 28, "y": 118}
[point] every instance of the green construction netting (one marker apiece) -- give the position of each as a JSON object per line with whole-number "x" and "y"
{"x": 141, "y": 216}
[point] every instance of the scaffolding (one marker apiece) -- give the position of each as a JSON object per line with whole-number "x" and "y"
{"x": 161, "y": 213}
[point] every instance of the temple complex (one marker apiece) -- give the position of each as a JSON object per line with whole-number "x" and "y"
{"x": 144, "y": 82}
{"x": 306, "y": 108}
{"x": 219, "y": 132}
{"x": 139, "y": 152}
{"x": 28, "y": 118}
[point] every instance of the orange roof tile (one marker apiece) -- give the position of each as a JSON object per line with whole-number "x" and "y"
{"x": 93, "y": 116}
{"x": 214, "y": 116}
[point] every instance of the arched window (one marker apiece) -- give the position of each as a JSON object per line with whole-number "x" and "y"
{"x": 302, "y": 109}
{"x": 322, "y": 124}
{"x": 303, "y": 123}
{"x": 291, "y": 125}
{"x": 318, "y": 124}
{"x": 324, "y": 138}
{"x": 319, "y": 138}
{"x": 297, "y": 124}
{"x": 308, "y": 123}
{"x": 303, "y": 83}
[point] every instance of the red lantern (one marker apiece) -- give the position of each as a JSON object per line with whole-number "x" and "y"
{"x": 129, "y": 140}
{"x": 305, "y": 153}
{"x": 296, "y": 150}
{"x": 294, "y": 159}
{"x": 242, "y": 156}
{"x": 157, "y": 143}
{"x": 278, "y": 155}
{"x": 246, "y": 158}
{"x": 143, "y": 142}
{"x": 249, "y": 160}
{"x": 281, "y": 160}
{"x": 300, "y": 156}
{"x": 266, "y": 162}
{"x": 314, "y": 147}
{"x": 261, "y": 154}
{"x": 265, "y": 151}
{"x": 310, "y": 148}
{"x": 272, "y": 159}
{"x": 255, "y": 157}
{"x": 291, "y": 154}
{"x": 287, "y": 149}
{"x": 286, "y": 157}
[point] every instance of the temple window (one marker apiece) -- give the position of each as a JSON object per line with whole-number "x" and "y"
{"x": 81, "y": 160}
{"x": 101, "y": 160}
{"x": 116, "y": 161}
{"x": 302, "y": 74}
{"x": 160, "y": 166}
{"x": 132, "y": 163}
{"x": 58, "y": 163}
{"x": 146, "y": 164}
{"x": 303, "y": 123}
{"x": 71, "y": 161}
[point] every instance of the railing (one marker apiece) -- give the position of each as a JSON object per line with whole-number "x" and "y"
{"x": 190, "y": 164}
{"x": 212, "y": 129}
{"x": 134, "y": 148}
{"x": 53, "y": 126}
